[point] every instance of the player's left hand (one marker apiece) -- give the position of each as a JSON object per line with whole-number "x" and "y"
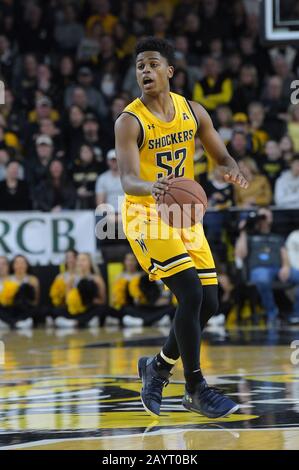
{"x": 235, "y": 176}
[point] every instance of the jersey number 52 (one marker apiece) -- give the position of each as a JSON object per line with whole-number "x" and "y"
{"x": 167, "y": 160}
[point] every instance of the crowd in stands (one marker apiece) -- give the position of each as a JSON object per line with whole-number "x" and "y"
{"x": 68, "y": 69}
{"x": 78, "y": 296}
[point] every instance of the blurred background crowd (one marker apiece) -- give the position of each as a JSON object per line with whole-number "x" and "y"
{"x": 69, "y": 70}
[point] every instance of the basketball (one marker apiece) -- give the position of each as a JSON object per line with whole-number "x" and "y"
{"x": 184, "y": 204}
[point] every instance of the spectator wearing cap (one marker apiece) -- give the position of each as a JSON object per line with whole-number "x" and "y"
{"x": 95, "y": 100}
{"x": 14, "y": 192}
{"x": 214, "y": 88}
{"x": 43, "y": 109}
{"x": 37, "y": 168}
{"x": 287, "y": 186}
{"x": 247, "y": 89}
{"x": 108, "y": 184}
{"x": 68, "y": 31}
{"x": 56, "y": 192}
{"x": 259, "y": 192}
{"x": 85, "y": 172}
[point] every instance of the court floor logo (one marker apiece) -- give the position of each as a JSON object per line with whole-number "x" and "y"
{"x": 96, "y": 406}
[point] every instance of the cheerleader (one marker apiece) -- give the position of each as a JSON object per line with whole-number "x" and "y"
{"x": 20, "y": 295}
{"x": 86, "y": 297}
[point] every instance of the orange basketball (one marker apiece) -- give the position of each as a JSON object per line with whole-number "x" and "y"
{"x": 184, "y": 204}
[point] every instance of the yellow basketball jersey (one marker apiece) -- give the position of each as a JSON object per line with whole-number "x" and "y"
{"x": 164, "y": 147}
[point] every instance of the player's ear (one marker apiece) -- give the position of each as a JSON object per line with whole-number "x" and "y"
{"x": 170, "y": 71}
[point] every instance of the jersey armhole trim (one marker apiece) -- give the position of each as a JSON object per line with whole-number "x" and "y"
{"x": 193, "y": 114}
{"x": 141, "y": 138}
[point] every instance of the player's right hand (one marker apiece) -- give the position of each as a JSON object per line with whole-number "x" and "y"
{"x": 160, "y": 186}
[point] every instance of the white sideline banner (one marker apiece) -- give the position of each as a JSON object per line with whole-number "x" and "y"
{"x": 44, "y": 237}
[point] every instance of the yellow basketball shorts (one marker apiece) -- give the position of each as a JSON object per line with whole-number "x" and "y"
{"x": 162, "y": 250}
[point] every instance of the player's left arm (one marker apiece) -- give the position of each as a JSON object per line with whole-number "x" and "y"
{"x": 215, "y": 147}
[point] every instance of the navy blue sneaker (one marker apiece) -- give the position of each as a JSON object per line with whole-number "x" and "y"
{"x": 209, "y": 401}
{"x": 153, "y": 382}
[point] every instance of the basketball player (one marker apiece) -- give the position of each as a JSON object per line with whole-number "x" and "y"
{"x": 154, "y": 144}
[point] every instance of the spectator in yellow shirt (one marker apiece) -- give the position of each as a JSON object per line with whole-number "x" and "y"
{"x": 259, "y": 192}
{"x": 214, "y": 89}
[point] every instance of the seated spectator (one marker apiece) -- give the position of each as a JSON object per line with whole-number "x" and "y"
{"x": 94, "y": 138}
{"x": 101, "y": 13}
{"x": 224, "y": 122}
{"x": 238, "y": 145}
{"x": 20, "y": 295}
{"x": 290, "y": 271}
{"x": 247, "y": 90}
{"x": 287, "y": 186}
{"x": 259, "y": 191}
{"x": 65, "y": 75}
{"x": 108, "y": 186}
{"x": 8, "y": 139}
{"x": 214, "y": 89}
{"x": 15, "y": 195}
{"x": 4, "y": 159}
{"x": 219, "y": 193}
{"x": 68, "y": 31}
{"x": 25, "y": 81}
{"x": 286, "y": 148}
{"x": 262, "y": 252}
{"x": 180, "y": 83}
{"x": 95, "y": 100}
{"x": 37, "y": 168}
{"x": 293, "y": 126}
{"x": 271, "y": 164}
{"x": 86, "y": 297}
{"x": 89, "y": 46}
{"x": 85, "y": 172}
{"x": 58, "y": 287}
{"x": 257, "y": 126}
{"x": 50, "y": 128}
{"x": 73, "y": 132}
{"x": 138, "y": 300}
{"x": 4, "y": 275}
{"x": 56, "y": 193}
{"x": 276, "y": 107}
{"x": 220, "y": 197}
{"x": 43, "y": 109}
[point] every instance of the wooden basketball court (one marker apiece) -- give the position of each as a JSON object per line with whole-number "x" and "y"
{"x": 79, "y": 390}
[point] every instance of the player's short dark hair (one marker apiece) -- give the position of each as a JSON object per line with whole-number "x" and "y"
{"x": 151, "y": 43}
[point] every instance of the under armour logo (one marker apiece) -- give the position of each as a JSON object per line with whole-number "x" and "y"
{"x": 151, "y": 126}
{"x": 185, "y": 116}
{"x": 142, "y": 244}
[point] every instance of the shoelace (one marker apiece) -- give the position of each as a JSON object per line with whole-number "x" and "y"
{"x": 213, "y": 394}
{"x": 156, "y": 387}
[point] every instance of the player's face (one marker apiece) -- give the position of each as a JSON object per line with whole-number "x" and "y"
{"x": 153, "y": 72}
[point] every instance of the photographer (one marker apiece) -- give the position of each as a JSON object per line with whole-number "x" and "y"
{"x": 263, "y": 254}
